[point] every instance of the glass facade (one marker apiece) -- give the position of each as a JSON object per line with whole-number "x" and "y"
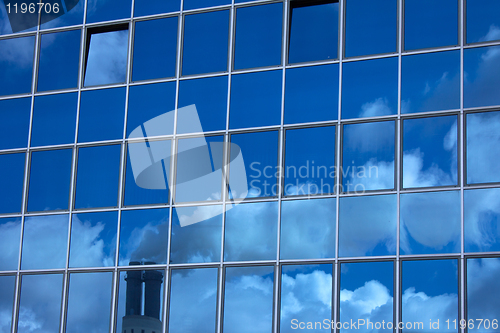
{"x": 251, "y": 166}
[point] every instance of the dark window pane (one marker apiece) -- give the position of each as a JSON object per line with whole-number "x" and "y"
{"x": 370, "y": 88}
{"x": 371, "y": 27}
{"x": 155, "y": 49}
{"x": 482, "y": 220}
{"x": 430, "y": 82}
{"x": 194, "y": 4}
{"x": 93, "y": 239}
{"x": 255, "y": 99}
{"x": 16, "y": 65}
{"x": 59, "y": 59}
{"x": 6, "y": 28}
{"x": 152, "y": 7}
{"x": 45, "y": 240}
{"x": 205, "y": 43}
{"x": 483, "y": 20}
{"x": 430, "y": 222}
{"x": 98, "y": 10}
{"x": 441, "y": 23}
{"x": 54, "y": 119}
{"x": 101, "y": 115}
{"x": 73, "y": 14}
{"x": 481, "y": 76}
{"x": 312, "y": 94}
{"x": 313, "y": 239}
{"x": 313, "y": 32}
{"x": 50, "y": 177}
{"x": 14, "y": 122}
{"x": 258, "y": 36}
{"x": 11, "y": 184}
{"x": 7, "y": 289}
{"x": 430, "y": 152}
{"x": 10, "y": 235}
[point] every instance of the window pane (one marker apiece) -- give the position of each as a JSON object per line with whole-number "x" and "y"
{"x": 10, "y": 235}
{"x": 368, "y": 226}
{"x": 430, "y": 152}
{"x": 11, "y": 184}
{"x": 306, "y": 296}
{"x": 368, "y": 156}
{"x": 371, "y": 27}
{"x": 248, "y": 299}
{"x": 313, "y": 32}
{"x": 308, "y": 229}
{"x": 311, "y": 94}
{"x": 101, "y": 115}
{"x": 7, "y": 288}
{"x": 106, "y": 62}
{"x": 98, "y": 10}
{"x": 155, "y": 49}
{"x": 370, "y": 88}
{"x": 366, "y": 295}
{"x": 205, "y": 43}
{"x": 430, "y": 82}
{"x": 89, "y": 302}
{"x": 50, "y": 177}
{"x": 251, "y": 232}
{"x": 152, "y": 7}
{"x": 93, "y": 239}
{"x": 309, "y": 165}
{"x": 483, "y": 20}
{"x": 144, "y": 236}
{"x": 45, "y": 240}
{"x": 482, "y": 220}
{"x": 193, "y": 300}
{"x": 73, "y": 15}
{"x": 14, "y": 122}
{"x": 6, "y": 28}
{"x": 194, "y": 4}
{"x": 196, "y": 234}
{"x": 54, "y": 119}
{"x": 481, "y": 76}
{"x": 59, "y": 59}
{"x": 255, "y": 99}
{"x": 430, "y": 222}
{"x": 258, "y": 36}
{"x": 16, "y": 65}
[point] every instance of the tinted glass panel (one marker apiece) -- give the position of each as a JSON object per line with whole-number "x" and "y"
{"x": 10, "y": 233}
{"x": 430, "y": 222}
{"x": 151, "y": 7}
{"x": 370, "y": 88}
{"x": 16, "y": 65}
{"x": 155, "y": 49}
{"x": 14, "y": 122}
{"x": 193, "y": 4}
{"x": 483, "y": 20}
{"x": 7, "y": 287}
{"x": 6, "y": 28}
{"x": 481, "y": 76}
{"x": 73, "y": 14}
{"x": 482, "y": 220}
{"x": 98, "y": 10}
{"x": 59, "y": 59}
{"x": 11, "y": 184}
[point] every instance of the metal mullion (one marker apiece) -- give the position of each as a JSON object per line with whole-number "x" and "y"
{"x": 312, "y": 63}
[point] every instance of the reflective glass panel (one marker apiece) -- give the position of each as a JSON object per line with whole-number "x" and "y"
{"x": 430, "y": 152}
{"x": 101, "y": 115}
{"x": 482, "y": 220}
{"x": 194, "y": 4}
{"x": 11, "y": 183}
{"x": 481, "y": 76}
{"x": 6, "y": 28}
{"x": 45, "y": 240}
{"x": 483, "y": 20}
{"x": 251, "y": 231}
{"x": 258, "y": 42}
{"x": 441, "y": 23}
{"x": 59, "y": 59}
{"x": 155, "y": 49}
{"x": 430, "y": 293}
{"x": 7, "y": 287}
{"x": 311, "y": 94}
{"x": 368, "y": 226}
{"x": 370, "y": 88}
{"x": 368, "y": 156}
{"x": 205, "y": 46}
{"x": 366, "y": 296}
{"x": 40, "y": 305}
{"x": 98, "y": 176}
{"x": 89, "y": 302}
{"x": 10, "y": 236}
{"x": 144, "y": 236}
{"x": 306, "y": 298}
{"x": 193, "y": 300}
{"x": 310, "y": 161}
{"x": 255, "y": 99}
{"x": 430, "y": 222}
{"x": 430, "y": 82}
{"x": 151, "y": 7}
{"x": 196, "y": 234}
{"x": 313, "y": 32}
{"x": 98, "y": 10}
{"x": 248, "y": 299}
{"x": 93, "y": 239}
{"x": 371, "y": 27}
{"x": 50, "y": 177}
{"x": 16, "y": 65}
{"x": 73, "y": 14}
{"x": 106, "y": 61}
{"x": 308, "y": 229}
{"x": 14, "y": 122}
{"x": 483, "y": 149}
{"x": 54, "y": 119}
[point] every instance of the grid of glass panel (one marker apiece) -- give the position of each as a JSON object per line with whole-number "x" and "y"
{"x": 370, "y": 144}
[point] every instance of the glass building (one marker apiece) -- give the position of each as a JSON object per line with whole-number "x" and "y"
{"x": 251, "y": 166}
